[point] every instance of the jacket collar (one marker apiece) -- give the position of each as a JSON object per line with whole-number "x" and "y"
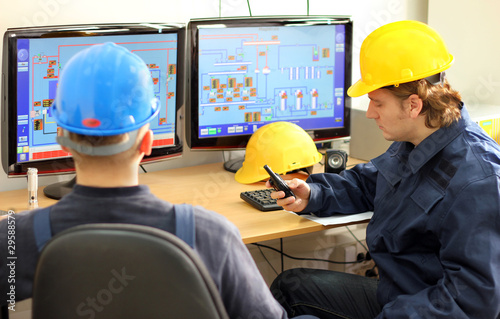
{"x": 408, "y": 158}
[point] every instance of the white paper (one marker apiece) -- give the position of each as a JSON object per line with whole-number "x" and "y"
{"x": 339, "y": 219}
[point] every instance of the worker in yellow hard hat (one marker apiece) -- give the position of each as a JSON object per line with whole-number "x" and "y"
{"x": 435, "y": 196}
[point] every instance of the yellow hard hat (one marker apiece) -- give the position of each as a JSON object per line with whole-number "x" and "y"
{"x": 283, "y": 146}
{"x": 400, "y": 52}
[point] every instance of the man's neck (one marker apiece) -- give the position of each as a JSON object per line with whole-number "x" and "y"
{"x": 421, "y": 131}
{"x": 425, "y": 133}
{"x": 107, "y": 177}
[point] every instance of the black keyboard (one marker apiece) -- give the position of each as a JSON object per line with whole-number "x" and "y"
{"x": 261, "y": 199}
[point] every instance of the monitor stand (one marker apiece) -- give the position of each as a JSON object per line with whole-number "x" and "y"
{"x": 58, "y": 190}
{"x": 234, "y": 165}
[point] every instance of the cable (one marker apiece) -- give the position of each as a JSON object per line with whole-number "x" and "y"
{"x": 268, "y": 262}
{"x": 359, "y": 241}
{"x": 312, "y": 259}
{"x": 143, "y": 169}
{"x": 249, "y": 10}
{"x": 370, "y": 272}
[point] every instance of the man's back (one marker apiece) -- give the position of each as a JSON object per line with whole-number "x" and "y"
{"x": 218, "y": 242}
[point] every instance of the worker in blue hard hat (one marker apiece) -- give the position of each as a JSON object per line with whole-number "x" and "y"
{"x": 104, "y": 103}
{"x": 111, "y": 96}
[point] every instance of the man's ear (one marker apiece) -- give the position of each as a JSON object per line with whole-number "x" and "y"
{"x": 416, "y": 105}
{"x": 147, "y": 143}
{"x": 64, "y": 148}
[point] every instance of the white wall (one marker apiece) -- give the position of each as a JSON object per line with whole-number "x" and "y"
{"x": 471, "y": 29}
{"x": 367, "y": 15}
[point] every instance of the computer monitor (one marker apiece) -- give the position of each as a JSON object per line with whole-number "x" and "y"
{"x": 248, "y": 72}
{"x": 32, "y": 61}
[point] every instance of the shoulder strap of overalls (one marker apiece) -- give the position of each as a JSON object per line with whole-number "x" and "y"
{"x": 185, "y": 224}
{"x": 41, "y": 227}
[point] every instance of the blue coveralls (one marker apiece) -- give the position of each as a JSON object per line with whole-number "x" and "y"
{"x": 435, "y": 232}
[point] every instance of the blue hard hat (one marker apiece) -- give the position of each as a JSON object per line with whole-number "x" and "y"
{"x": 104, "y": 90}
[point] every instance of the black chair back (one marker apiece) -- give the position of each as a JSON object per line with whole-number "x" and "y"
{"x": 122, "y": 271}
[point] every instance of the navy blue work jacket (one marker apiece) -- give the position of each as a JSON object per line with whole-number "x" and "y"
{"x": 435, "y": 232}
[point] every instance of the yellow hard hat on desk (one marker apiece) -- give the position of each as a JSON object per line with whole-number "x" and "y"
{"x": 283, "y": 146}
{"x": 400, "y": 52}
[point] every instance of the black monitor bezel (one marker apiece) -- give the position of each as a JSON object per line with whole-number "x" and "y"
{"x": 9, "y": 85}
{"x": 240, "y": 141}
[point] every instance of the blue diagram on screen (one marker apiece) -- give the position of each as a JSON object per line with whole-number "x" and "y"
{"x": 40, "y": 62}
{"x": 251, "y": 76}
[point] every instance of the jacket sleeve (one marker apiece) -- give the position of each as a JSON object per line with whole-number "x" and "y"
{"x": 351, "y": 191}
{"x": 470, "y": 257}
{"x": 244, "y": 292}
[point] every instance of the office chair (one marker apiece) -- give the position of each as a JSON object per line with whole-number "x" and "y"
{"x": 122, "y": 271}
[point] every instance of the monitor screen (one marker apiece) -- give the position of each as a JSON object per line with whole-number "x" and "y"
{"x": 32, "y": 61}
{"x": 248, "y": 72}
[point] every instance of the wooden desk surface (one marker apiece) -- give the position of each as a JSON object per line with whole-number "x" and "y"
{"x": 212, "y": 187}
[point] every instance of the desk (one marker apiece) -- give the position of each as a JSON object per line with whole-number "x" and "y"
{"x": 214, "y": 188}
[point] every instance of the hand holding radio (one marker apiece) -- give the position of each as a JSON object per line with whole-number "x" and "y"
{"x": 296, "y": 199}
{"x": 278, "y": 183}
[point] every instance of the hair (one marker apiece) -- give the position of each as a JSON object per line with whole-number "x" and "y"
{"x": 96, "y": 140}
{"x": 441, "y": 103}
